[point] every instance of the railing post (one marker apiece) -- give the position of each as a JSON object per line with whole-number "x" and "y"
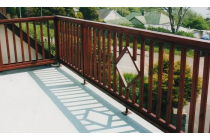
{"x": 57, "y": 38}
{"x": 84, "y": 42}
{"x": 1, "y": 59}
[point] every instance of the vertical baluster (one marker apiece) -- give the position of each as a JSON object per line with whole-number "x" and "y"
{"x": 67, "y": 42}
{"x": 14, "y": 42}
{"x": 75, "y": 46}
{"x": 134, "y": 59}
{"x": 150, "y": 80}
{"x": 28, "y": 39}
{"x": 78, "y": 48}
{"x": 35, "y": 41}
{"x": 194, "y": 91}
{"x": 42, "y": 42}
{"x": 7, "y": 44}
{"x": 70, "y": 43}
{"x": 142, "y": 58}
{"x": 120, "y": 50}
{"x": 127, "y": 45}
{"x": 99, "y": 55}
{"x": 87, "y": 50}
{"x": 48, "y": 36}
{"x": 56, "y": 25}
{"x": 181, "y": 89}
{"x": 21, "y": 42}
{"x": 114, "y": 59}
{"x": 160, "y": 72}
{"x": 83, "y": 48}
{"x": 204, "y": 94}
{"x": 61, "y": 42}
{"x": 64, "y": 41}
{"x": 90, "y": 50}
{"x": 1, "y": 58}
{"x": 104, "y": 58}
{"x": 109, "y": 59}
{"x": 170, "y": 85}
{"x": 95, "y": 63}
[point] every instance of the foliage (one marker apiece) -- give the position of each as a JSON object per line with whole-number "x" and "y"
{"x": 176, "y": 82}
{"x": 159, "y": 29}
{"x": 79, "y": 15}
{"x": 141, "y": 26}
{"x": 11, "y": 11}
{"x": 180, "y": 14}
{"x": 197, "y": 23}
{"x": 187, "y": 34}
{"x": 175, "y": 90}
{"x": 89, "y": 13}
{"x": 181, "y": 33}
{"x": 125, "y": 24}
{"x": 49, "y": 11}
{"x": 24, "y": 12}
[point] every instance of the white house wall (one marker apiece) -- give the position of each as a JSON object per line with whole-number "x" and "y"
{"x": 112, "y": 16}
{"x": 11, "y": 47}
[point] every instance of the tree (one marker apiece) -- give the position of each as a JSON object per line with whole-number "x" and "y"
{"x": 24, "y": 11}
{"x": 50, "y": 11}
{"x": 172, "y": 13}
{"x": 89, "y": 13}
{"x": 70, "y": 12}
{"x": 11, "y": 11}
{"x": 198, "y": 23}
{"x": 79, "y": 15}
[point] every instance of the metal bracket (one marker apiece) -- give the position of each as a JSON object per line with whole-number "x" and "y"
{"x": 84, "y": 83}
{"x": 126, "y": 112}
{"x": 56, "y": 65}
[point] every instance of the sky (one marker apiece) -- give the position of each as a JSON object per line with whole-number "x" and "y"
{"x": 201, "y": 10}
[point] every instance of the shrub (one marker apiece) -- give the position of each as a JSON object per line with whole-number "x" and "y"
{"x": 176, "y": 81}
{"x": 141, "y": 26}
{"x": 182, "y": 33}
{"x": 159, "y": 29}
{"x": 188, "y": 85}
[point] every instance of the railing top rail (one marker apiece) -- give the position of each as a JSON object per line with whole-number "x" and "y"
{"x": 191, "y": 43}
{"x": 10, "y": 21}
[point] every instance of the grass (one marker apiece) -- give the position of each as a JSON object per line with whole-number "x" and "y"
{"x": 190, "y": 52}
{"x": 38, "y": 30}
{"x": 38, "y": 34}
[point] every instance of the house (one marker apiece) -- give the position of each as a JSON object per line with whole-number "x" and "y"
{"x": 132, "y": 15}
{"x": 138, "y": 20}
{"x": 75, "y": 10}
{"x": 151, "y": 18}
{"x": 156, "y": 18}
{"x": 110, "y": 16}
{"x": 120, "y": 21}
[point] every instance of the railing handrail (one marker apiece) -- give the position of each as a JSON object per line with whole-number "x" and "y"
{"x": 190, "y": 43}
{"x": 10, "y": 21}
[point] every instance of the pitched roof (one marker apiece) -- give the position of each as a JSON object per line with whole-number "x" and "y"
{"x": 156, "y": 18}
{"x": 121, "y": 20}
{"x": 103, "y": 13}
{"x": 141, "y": 19}
{"x": 132, "y": 15}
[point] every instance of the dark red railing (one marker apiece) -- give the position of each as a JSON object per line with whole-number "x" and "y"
{"x": 35, "y": 52}
{"x": 93, "y": 50}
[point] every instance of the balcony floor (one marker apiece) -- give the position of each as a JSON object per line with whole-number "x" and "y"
{"x": 52, "y": 99}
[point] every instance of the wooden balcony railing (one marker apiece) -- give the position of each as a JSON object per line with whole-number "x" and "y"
{"x": 93, "y": 50}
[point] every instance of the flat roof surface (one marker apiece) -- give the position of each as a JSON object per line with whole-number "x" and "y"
{"x": 52, "y": 99}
